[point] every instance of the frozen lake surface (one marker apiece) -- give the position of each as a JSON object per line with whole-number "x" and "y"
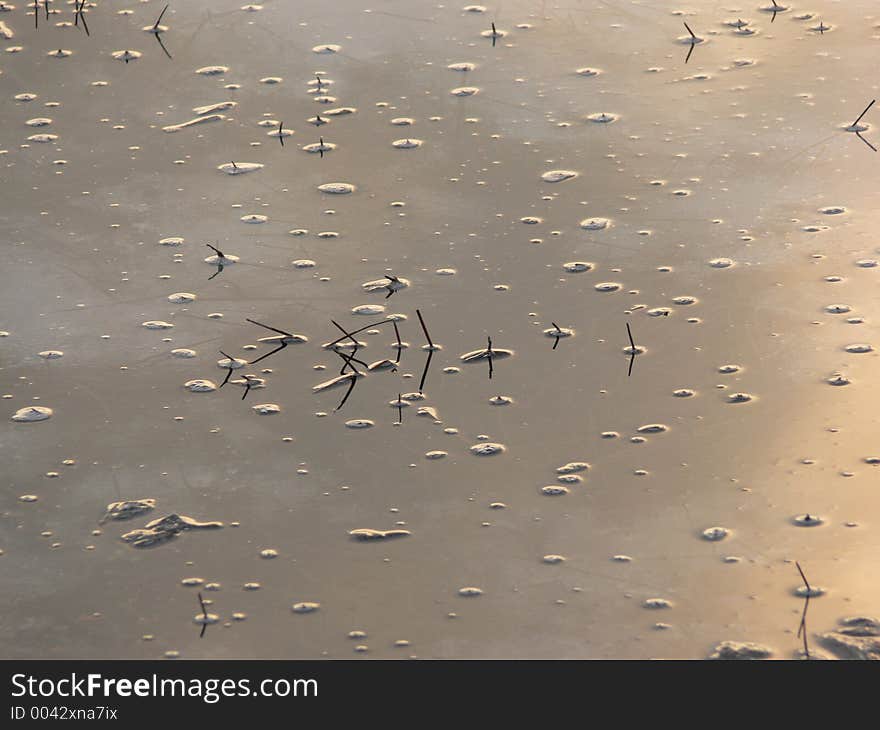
{"x": 612, "y": 282}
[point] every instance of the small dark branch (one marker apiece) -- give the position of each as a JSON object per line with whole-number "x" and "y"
{"x": 265, "y": 326}
{"x": 347, "y": 362}
{"x": 347, "y": 392}
{"x": 803, "y": 577}
{"x": 321, "y": 147}
{"x": 632, "y": 344}
{"x": 425, "y": 329}
{"x": 357, "y": 331}
{"x": 159, "y": 19}
{"x": 344, "y": 331}
{"x": 219, "y": 271}
{"x": 690, "y": 31}
{"x": 490, "y": 357}
{"x": 247, "y": 386}
{"x": 36, "y": 15}
{"x": 280, "y": 133}
{"x": 162, "y": 45}
{"x": 215, "y": 249}
{"x": 83, "y": 18}
{"x": 202, "y": 604}
{"x": 802, "y": 629}
{"x": 393, "y": 280}
{"x": 271, "y": 352}
{"x": 557, "y": 336}
{"x": 425, "y": 371}
{"x": 399, "y": 343}
{"x": 228, "y": 370}
{"x": 690, "y": 51}
{"x": 859, "y": 118}
{"x": 859, "y": 135}
{"x": 399, "y": 409}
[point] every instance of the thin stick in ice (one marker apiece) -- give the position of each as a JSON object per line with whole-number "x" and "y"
{"x": 632, "y": 357}
{"x": 802, "y": 629}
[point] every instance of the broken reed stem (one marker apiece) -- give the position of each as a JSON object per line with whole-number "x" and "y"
{"x": 159, "y": 19}
{"x": 399, "y": 343}
{"x": 202, "y": 604}
{"x": 265, "y": 326}
{"x": 83, "y": 18}
{"x": 489, "y": 353}
{"x": 859, "y": 118}
{"x": 357, "y": 331}
{"x": 802, "y": 629}
{"x": 425, "y": 371}
{"x": 425, "y": 329}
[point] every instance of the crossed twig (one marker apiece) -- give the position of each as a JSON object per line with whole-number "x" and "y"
{"x": 802, "y": 629}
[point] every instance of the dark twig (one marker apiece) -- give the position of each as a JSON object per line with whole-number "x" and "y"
{"x": 220, "y": 262}
{"x": 425, "y": 371}
{"x": 265, "y": 326}
{"x": 228, "y": 370}
{"x": 399, "y": 409}
{"x": 247, "y": 386}
{"x": 162, "y": 46}
{"x": 348, "y": 359}
{"x": 859, "y": 118}
{"x": 425, "y": 329}
{"x": 281, "y": 346}
{"x": 692, "y": 44}
{"x": 859, "y": 135}
{"x": 321, "y": 147}
{"x": 632, "y": 357}
{"x": 159, "y": 19}
{"x": 353, "y": 375}
{"x": 393, "y": 280}
{"x": 557, "y": 336}
{"x": 82, "y": 17}
{"x": 490, "y": 356}
{"x": 348, "y": 334}
{"x": 271, "y": 352}
{"x": 399, "y": 344}
{"x": 802, "y": 629}
{"x": 202, "y": 604}
{"x": 280, "y": 133}
{"x": 357, "y": 331}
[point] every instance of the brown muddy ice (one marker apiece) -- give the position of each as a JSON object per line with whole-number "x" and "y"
{"x": 621, "y": 377}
